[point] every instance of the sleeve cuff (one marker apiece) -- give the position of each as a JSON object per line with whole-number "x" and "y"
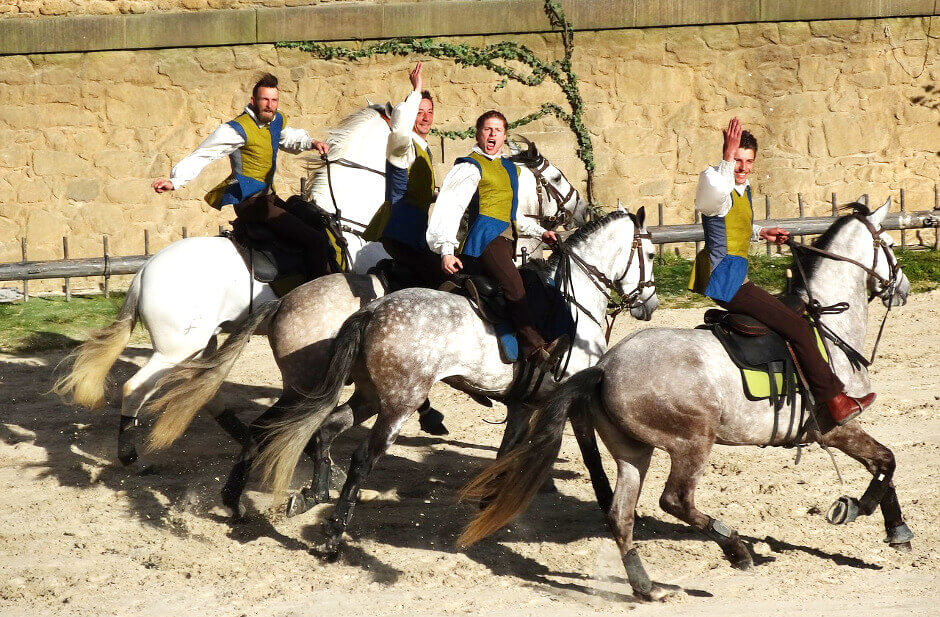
{"x": 447, "y": 249}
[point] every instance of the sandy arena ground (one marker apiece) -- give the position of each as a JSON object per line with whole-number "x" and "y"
{"x": 81, "y": 536}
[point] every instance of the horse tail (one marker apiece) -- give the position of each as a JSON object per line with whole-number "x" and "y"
{"x": 90, "y": 362}
{"x": 288, "y": 436}
{"x": 193, "y": 383}
{"x": 512, "y": 480}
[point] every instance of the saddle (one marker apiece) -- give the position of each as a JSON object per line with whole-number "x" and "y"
{"x": 268, "y": 258}
{"x": 767, "y": 368}
{"x": 549, "y": 308}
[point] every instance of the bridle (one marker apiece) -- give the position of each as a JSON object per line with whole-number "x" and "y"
{"x": 561, "y": 216}
{"x": 603, "y": 283}
{"x": 887, "y": 290}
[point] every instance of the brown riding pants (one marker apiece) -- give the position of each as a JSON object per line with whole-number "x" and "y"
{"x": 754, "y": 302}
{"x": 496, "y": 261}
{"x": 269, "y": 210}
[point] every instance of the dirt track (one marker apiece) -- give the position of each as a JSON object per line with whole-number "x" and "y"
{"x": 80, "y": 536}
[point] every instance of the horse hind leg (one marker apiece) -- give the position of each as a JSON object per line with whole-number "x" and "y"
{"x": 678, "y": 499}
{"x": 621, "y": 517}
{"x": 135, "y": 393}
{"x": 879, "y": 460}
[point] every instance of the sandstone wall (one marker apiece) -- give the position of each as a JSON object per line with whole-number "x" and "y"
{"x": 837, "y": 106}
{"x": 43, "y": 8}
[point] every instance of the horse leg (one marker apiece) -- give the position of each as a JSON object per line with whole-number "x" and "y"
{"x": 678, "y": 499}
{"x": 517, "y": 420}
{"x": 879, "y": 460}
{"x": 238, "y": 476}
{"x": 622, "y": 513}
{"x": 431, "y": 420}
{"x": 135, "y": 393}
{"x": 383, "y": 434}
{"x": 587, "y": 442}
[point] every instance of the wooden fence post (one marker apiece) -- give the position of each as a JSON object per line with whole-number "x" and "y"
{"x": 660, "y": 224}
{"x": 799, "y": 200}
{"x": 903, "y": 233}
{"x": 767, "y": 216}
{"x": 698, "y": 245}
{"x": 25, "y": 282}
{"x": 185, "y": 233}
{"x": 65, "y": 255}
{"x": 146, "y": 242}
{"x": 107, "y": 269}
{"x": 835, "y": 207}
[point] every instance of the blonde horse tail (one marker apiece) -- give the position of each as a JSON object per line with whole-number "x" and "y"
{"x": 286, "y": 438}
{"x": 90, "y": 362}
{"x": 192, "y": 384}
{"x": 511, "y": 481}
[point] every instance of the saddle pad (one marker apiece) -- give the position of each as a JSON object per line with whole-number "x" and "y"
{"x": 282, "y": 267}
{"x": 757, "y": 357}
{"x": 550, "y": 315}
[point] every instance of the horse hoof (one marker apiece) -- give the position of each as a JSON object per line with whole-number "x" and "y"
{"x": 297, "y": 504}
{"x": 900, "y": 535}
{"x": 743, "y": 563}
{"x": 142, "y": 468}
{"x": 843, "y": 510}
{"x": 902, "y": 547}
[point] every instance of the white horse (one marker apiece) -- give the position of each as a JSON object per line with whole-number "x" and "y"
{"x": 197, "y": 287}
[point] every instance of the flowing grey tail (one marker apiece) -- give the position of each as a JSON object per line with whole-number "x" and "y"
{"x": 85, "y": 382}
{"x": 190, "y": 385}
{"x": 512, "y": 481}
{"x": 287, "y": 437}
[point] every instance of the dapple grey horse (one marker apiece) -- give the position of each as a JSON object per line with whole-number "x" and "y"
{"x": 678, "y": 390}
{"x": 301, "y": 327}
{"x": 396, "y": 348}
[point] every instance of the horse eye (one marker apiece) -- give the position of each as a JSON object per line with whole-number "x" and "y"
{"x": 651, "y": 255}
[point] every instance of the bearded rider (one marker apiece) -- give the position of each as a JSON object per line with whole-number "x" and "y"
{"x": 724, "y": 200}
{"x": 251, "y": 141}
{"x": 487, "y": 183}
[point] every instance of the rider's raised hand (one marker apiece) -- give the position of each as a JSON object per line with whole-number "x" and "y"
{"x": 732, "y": 136}
{"x": 162, "y": 185}
{"x": 415, "y": 77}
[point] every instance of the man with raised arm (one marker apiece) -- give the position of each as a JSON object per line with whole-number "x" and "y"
{"x": 409, "y": 184}
{"x": 251, "y": 141}
{"x": 723, "y": 198}
{"x": 488, "y": 184}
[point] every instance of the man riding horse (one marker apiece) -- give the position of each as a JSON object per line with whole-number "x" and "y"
{"x": 251, "y": 142}
{"x": 487, "y": 183}
{"x": 723, "y": 198}
{"x": 409, "y": 186}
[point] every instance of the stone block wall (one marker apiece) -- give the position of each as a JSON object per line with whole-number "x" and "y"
{"x": 845, "y": 106}
{"x": 47, "y": 8}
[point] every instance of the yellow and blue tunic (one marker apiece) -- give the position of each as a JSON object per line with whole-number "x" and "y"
{"x": 409, "y": 192}
{"x": 493, "y": 207}
{"x": 253, "y": 165}
{"x": 721, "y": 267}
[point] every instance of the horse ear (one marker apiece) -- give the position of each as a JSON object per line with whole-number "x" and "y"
{"x": 878, "y": 216}
{"x": 862, "y": 199}
{"x": 641, "y": 216}
{"x": 388, "y": 109}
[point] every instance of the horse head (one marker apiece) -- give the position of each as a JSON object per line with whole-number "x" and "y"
{"x": 887, "y": 281}
{"x": 567, "y": 207}
{"x": 647, "y": 301}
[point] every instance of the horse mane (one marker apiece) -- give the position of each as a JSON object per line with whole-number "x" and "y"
{"x": 586, "y": 230}
{"x": 340, "y": 137}
{"x": 530, "y": 157}
{"x": 810, "y": 260}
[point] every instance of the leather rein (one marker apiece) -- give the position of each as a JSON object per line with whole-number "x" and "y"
{"x": 887, "y": 291}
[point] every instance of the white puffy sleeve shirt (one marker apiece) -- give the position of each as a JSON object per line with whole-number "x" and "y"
{"x": 713, "y": 194}
{"x": 457, "y": 191}
{"x": 223, "y": 141}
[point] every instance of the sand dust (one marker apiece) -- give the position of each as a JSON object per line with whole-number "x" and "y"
{"x": 81, "y": 536}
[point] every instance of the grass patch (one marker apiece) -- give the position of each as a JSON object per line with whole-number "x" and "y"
{"x": 52, "y": 323}
{"x": 672, "y": 275}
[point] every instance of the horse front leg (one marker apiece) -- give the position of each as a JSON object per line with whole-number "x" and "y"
{"x": 879, "y": 460}
{"x": 381, "y": 437}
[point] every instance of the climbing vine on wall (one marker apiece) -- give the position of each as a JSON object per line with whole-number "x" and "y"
{"x": 534, "y": 71}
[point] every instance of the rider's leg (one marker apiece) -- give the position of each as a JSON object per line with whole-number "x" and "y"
{"x": 426, "y": 264}
{"x": 269, "y": 211}
{"x": 496, "y": 261}
{"x": 825, "y": 386}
